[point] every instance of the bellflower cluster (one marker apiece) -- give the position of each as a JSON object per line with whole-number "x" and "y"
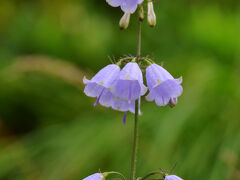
{"x": 119, "y": 89}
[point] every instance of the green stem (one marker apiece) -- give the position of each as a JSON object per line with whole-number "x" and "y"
{"x": 135, "y": 143}
{"x": 135, "y": 133}
{"x": 139, "y": 40}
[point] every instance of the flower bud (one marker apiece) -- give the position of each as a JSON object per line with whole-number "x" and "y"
{"x": 141, "y": 14}
{"x": 151, "y": 15}
{"x": 124, "y": 21}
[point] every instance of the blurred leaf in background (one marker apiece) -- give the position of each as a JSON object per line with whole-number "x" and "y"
{"x": 49, "y": 130}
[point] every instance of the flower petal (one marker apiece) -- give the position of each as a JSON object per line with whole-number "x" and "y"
{"x": 120, "y": 105}
{"x": 93, "y": 89}
{"x": 124, "y": 88}
{"x": 124, "y": 106}
{"x": 162, "y": 101}
{"x": 172, "y": 177}
{"x": 131, "y": 72}
{"x": 115, "y": 3}
{"x": 96, "y": 176}
{"x": 129, "y": 6}
{"x": 151, "y": 95}
{"x": 106, "y": 98}
{"x": 85, "y": 80}
{"x": 107, "y": 75}
{"x": 169, "y": 88}
{"x": 155, "y": 75}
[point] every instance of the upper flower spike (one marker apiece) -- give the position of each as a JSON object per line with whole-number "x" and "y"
{"x": 96, "y": 176}
{"x": 172, "y": 177}
{"x": 100, "y": 85}
{"x": 164, "y": 89}
{"x": 127, "y": 6}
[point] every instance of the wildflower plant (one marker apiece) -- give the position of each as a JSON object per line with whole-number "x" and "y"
{"x": 120, "y": 86}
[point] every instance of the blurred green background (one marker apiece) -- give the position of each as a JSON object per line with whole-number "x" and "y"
{"x": 49, "y": 130}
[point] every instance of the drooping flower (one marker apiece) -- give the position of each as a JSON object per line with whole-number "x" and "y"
{"x": 128, "y": 88}
{"x": 129, "y": 84}
{"x": 164, "y": 89}
{"x": 172, "y": 177}
{"x": 96, "y": 176}
{"x": 100, "y": 85}
{"x": 127, "y": 6}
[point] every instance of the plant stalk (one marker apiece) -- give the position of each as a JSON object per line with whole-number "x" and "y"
{"x": 135, "y": 133}
{"x": 135, "y": 143}
{"x": 139, "y": 40}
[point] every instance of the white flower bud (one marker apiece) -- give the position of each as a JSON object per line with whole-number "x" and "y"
{"x": 124, "y": 21}
{"x": 151, "y": 15}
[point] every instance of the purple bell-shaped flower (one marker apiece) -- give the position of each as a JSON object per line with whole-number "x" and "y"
{"x": 163, "y": 88}
{"x": 127, "y": 6}
{"x": 100, "y": 85}
{"x": 172, "y": 177}
{"x": 129, "y": 84}
{"x": 128, "y": 88}
{"x": 96, "y": 176}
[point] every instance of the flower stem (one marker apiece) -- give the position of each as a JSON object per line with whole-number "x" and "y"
{"x": 135, "y": 143}
{"x": 139, "y": 40}
{"x": 135, "y": 133}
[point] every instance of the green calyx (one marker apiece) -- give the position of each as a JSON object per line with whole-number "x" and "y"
{"x": 143, "y": 62}
{"x": 105, "y": 174}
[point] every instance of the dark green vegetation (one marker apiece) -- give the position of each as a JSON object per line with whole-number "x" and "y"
{"x": 49, "y": 130}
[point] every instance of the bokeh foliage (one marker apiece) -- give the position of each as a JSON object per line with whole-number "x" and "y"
{"x": 49, "y": 130}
